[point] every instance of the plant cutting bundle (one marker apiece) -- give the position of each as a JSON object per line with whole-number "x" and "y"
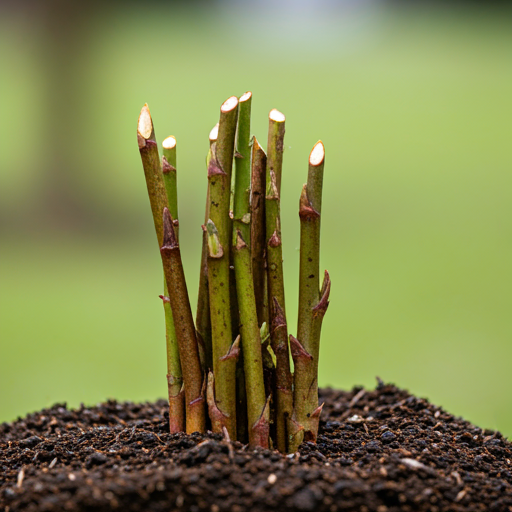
{"x": 230, "y": 370}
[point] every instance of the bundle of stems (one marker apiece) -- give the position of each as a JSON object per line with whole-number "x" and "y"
{"x": 230, "y": 370}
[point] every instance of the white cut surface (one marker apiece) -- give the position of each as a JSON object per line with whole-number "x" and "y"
{"x": 145, "y": 126}
{"x": 214, "y": 133}
{"x": 317, "y": 154}
{"x": 169, "y": 142}
{"x": 245, "y": 96}
{"x": 229, "y": 105}
{"x": 277, "y": 116}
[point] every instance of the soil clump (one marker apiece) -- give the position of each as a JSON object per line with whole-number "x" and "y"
{"x": 378, "y": 451}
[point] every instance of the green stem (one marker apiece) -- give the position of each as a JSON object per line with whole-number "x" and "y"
{"x": 203, "y": 321}
{"x": 279, "y": 337}
{"x": 152, "y": 170}
{"x": 174, "y": 373}
{"x": 241, "y": 201}
{"x": 170, "y": 178}
{"x": 251, "y": 372}
{"x": 306, "y": 428}
{"x": 269, "y": 371}
{"x": 258, "y": 240}
{"x": 185, "y": 331}
{"x": 283, "y": 377}
{"x": 175, "y": 389}
{"x": 312, "y": 301}
{"x": 158, "y": 200}
{"x": 303, "y": 425}
{"x": 251, "y": 342}
{"x": 241, "y": 221}
{"x": 242, "y": 434}
{"x": 310, "y": 208}
{"x": 218, "y": 226}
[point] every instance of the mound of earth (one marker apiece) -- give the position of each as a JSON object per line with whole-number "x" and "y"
{"x": 382, "y": 450}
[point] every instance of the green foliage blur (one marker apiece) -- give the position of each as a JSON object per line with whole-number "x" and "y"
{"x": 414, "y": 107}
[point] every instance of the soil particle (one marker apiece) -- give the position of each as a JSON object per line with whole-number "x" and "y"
{"x": 387, "y": 437}
{"x": 377, "y": 451}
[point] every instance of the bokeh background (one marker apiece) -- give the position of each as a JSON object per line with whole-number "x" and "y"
{"x": 413, "y": 101}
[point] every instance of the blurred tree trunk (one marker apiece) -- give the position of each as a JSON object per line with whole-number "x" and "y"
{"x": 65, "y": 35}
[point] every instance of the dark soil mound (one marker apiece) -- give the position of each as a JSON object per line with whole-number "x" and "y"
{"x": 381, "y": 450}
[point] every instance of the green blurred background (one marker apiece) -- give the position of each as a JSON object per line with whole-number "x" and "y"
{"x": 414, "y": 104}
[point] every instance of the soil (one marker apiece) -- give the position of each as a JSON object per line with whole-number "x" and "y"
{"x": 382, "y": 450}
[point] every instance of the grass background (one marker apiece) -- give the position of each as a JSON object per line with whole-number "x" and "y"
{"x": 414, "y": 108}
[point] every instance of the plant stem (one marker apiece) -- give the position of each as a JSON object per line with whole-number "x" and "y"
{"x": 283, "y": 377}
{"x": 312, "y": 302}
{"x": 203, "y": 321}
{"x": 174, "y": 373}
{"x": 218, "y": 226}
{"x": 170, "y": 178}
{"x": 279, "y": 336}
{"x": 241, "y": 201}
{"x": 258, "y": 239}
{"x": 175, "y": 387}
{"x": 251, "y": 342}
{"x": 152, "y": 170}
{"x": 241, "y": 221}
{"x": 269, "y": 372}
{"x": 252, "y": 370}
{"x": 217, "y": 417}
{"x": 303, "y": 425}
{"x": 185, "y": 331}
{"x": 158, "y": 200}
{"x": 310, "y": 207}
{"x": 241, "y": 402}
{"x": 241, "y": 138}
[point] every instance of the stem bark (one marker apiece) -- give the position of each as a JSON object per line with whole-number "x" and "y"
{"x": 218, "y": 226}
{"x": 279, "y": 336}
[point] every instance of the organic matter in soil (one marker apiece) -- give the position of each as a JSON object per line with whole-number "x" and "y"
{"x": 378, "y": 451}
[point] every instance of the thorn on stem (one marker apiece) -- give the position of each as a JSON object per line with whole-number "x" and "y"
{"x": 275, "y": 240}
{"x": 314, "y": 419}
{"x": 323, "y": 303}
{"x": 306, "y": 211}
{"x": 214, "y": 167}
{"x": 297, "y": 350}
{"x": 217, "y": 417}
{"x": 170, "y": 241}
{"x": 166, "y": 166}
{"x": 234, "y": 350}
{"x": 278, "y": 318}
{"x": 261, "y": 429}
{"x": 240, "y": 242}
